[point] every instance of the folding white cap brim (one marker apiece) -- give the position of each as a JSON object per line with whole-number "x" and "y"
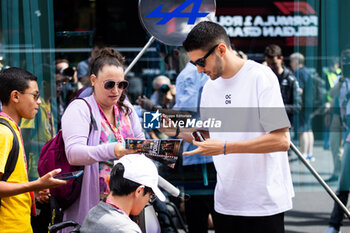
{"x": 140, "y": 169}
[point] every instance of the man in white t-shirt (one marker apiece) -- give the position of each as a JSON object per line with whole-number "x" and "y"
{"x": 254, "y": 185}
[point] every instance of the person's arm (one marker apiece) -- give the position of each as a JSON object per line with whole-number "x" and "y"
{"x": 75, "y": 135}
{"x": 47, "y": 181}
{"x": 278, "y": 140}
{"x": 335, "y": 91}
{"x": 148, "y": 105}
{"x": 297, "y": 97}
{"x": 178, "y": 132}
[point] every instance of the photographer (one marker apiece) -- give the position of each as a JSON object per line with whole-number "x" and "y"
{"x": 164, "y": 94}
{"x": 66, "y": 86}
{"x": 163, "y": 98}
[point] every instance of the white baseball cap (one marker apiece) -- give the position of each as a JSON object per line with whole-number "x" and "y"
{"x": 140, "y": 169}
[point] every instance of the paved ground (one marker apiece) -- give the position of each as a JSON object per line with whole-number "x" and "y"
{"x": 312, "y": 204}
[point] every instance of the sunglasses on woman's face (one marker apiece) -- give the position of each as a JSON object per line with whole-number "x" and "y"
{"x": 109, "y": 84}
{"x": 201, "y": 61}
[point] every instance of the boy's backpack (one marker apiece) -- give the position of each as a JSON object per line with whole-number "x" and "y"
{"x": 13, "y": 155}
{"x": 53, "y": 156}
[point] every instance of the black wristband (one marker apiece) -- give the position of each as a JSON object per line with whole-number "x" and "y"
{"x": 177, "y": 132}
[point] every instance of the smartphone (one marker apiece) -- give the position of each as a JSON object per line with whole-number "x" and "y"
{"x": 197, "y": 136}
{"x": 68, "y": 175}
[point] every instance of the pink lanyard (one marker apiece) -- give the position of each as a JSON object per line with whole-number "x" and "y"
{"x": 117, "y": 134}
{"x": 114, "y": 205}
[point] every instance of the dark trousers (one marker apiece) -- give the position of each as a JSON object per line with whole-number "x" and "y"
{"x": 197, "y": 209}
{"x": 242, "y": 224}
{"x": 338, "y": 213}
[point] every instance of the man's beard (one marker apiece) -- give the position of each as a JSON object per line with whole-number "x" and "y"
{"x": 218, "y": 69}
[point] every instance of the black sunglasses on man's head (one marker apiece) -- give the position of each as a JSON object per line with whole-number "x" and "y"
{"x": 201, "y": 61}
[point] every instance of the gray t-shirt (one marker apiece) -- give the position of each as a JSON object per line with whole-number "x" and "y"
{"x": 106, "y": 218}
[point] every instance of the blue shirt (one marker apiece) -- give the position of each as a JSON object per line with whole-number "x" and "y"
{"x": 189, "y": 85}
{"x": 305, "y": 83}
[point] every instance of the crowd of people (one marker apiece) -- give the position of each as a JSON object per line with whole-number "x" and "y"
{"x": 228, "y": 169}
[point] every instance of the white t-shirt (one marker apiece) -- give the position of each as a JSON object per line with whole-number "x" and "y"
{"x": 248, "y": 184}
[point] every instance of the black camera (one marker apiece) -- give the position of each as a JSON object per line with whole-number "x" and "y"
{"x": 69, "y": 71}
{"x": 164, "y": 88}
{"x": 66, "y": 74}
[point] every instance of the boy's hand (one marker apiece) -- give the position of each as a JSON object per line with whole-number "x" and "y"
{"x": 48, "y": 180}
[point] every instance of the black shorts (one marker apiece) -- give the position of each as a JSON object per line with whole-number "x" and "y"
{"x": 242, "y": 224}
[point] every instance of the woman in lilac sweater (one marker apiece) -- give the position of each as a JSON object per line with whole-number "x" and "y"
{"x": 116, "y": 120}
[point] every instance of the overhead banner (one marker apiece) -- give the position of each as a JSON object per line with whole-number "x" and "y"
{"x": 279, "y": 19}
{"x": 269, "y": 26}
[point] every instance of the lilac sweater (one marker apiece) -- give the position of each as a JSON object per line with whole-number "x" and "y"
{"x": 75, "y": 131}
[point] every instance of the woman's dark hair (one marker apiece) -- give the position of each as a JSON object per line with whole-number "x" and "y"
{"x": 120, "y": 186}
{"x": 14, "y": 79}
{"x": 109, "y": 56}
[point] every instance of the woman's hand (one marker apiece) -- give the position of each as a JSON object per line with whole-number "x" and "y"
{"x": 120, "y": 151}
{"x": 209, "y": 147}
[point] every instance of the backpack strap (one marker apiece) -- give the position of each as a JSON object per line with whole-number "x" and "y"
{"x": 92, "y": 119}
{"x": 13, "y": 155}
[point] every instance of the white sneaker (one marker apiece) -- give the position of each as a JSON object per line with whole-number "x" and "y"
{"x": 331, "y": 230}
{"x": 305, "y": 156}
{"x": 311, "y": 158}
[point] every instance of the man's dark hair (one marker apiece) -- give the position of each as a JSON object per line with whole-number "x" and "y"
{"x": 205, "y": 35}
{"x": 14, "y": 79}
{"x": 120, "y": 186}
{"x": 272, "y": 51}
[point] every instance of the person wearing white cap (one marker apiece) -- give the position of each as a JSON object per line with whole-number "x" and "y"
{"x": 133, "y": 183}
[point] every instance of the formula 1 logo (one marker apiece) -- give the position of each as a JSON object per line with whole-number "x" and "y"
{"x": 178, "y": 12}
{"x": 288, "y": 8}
